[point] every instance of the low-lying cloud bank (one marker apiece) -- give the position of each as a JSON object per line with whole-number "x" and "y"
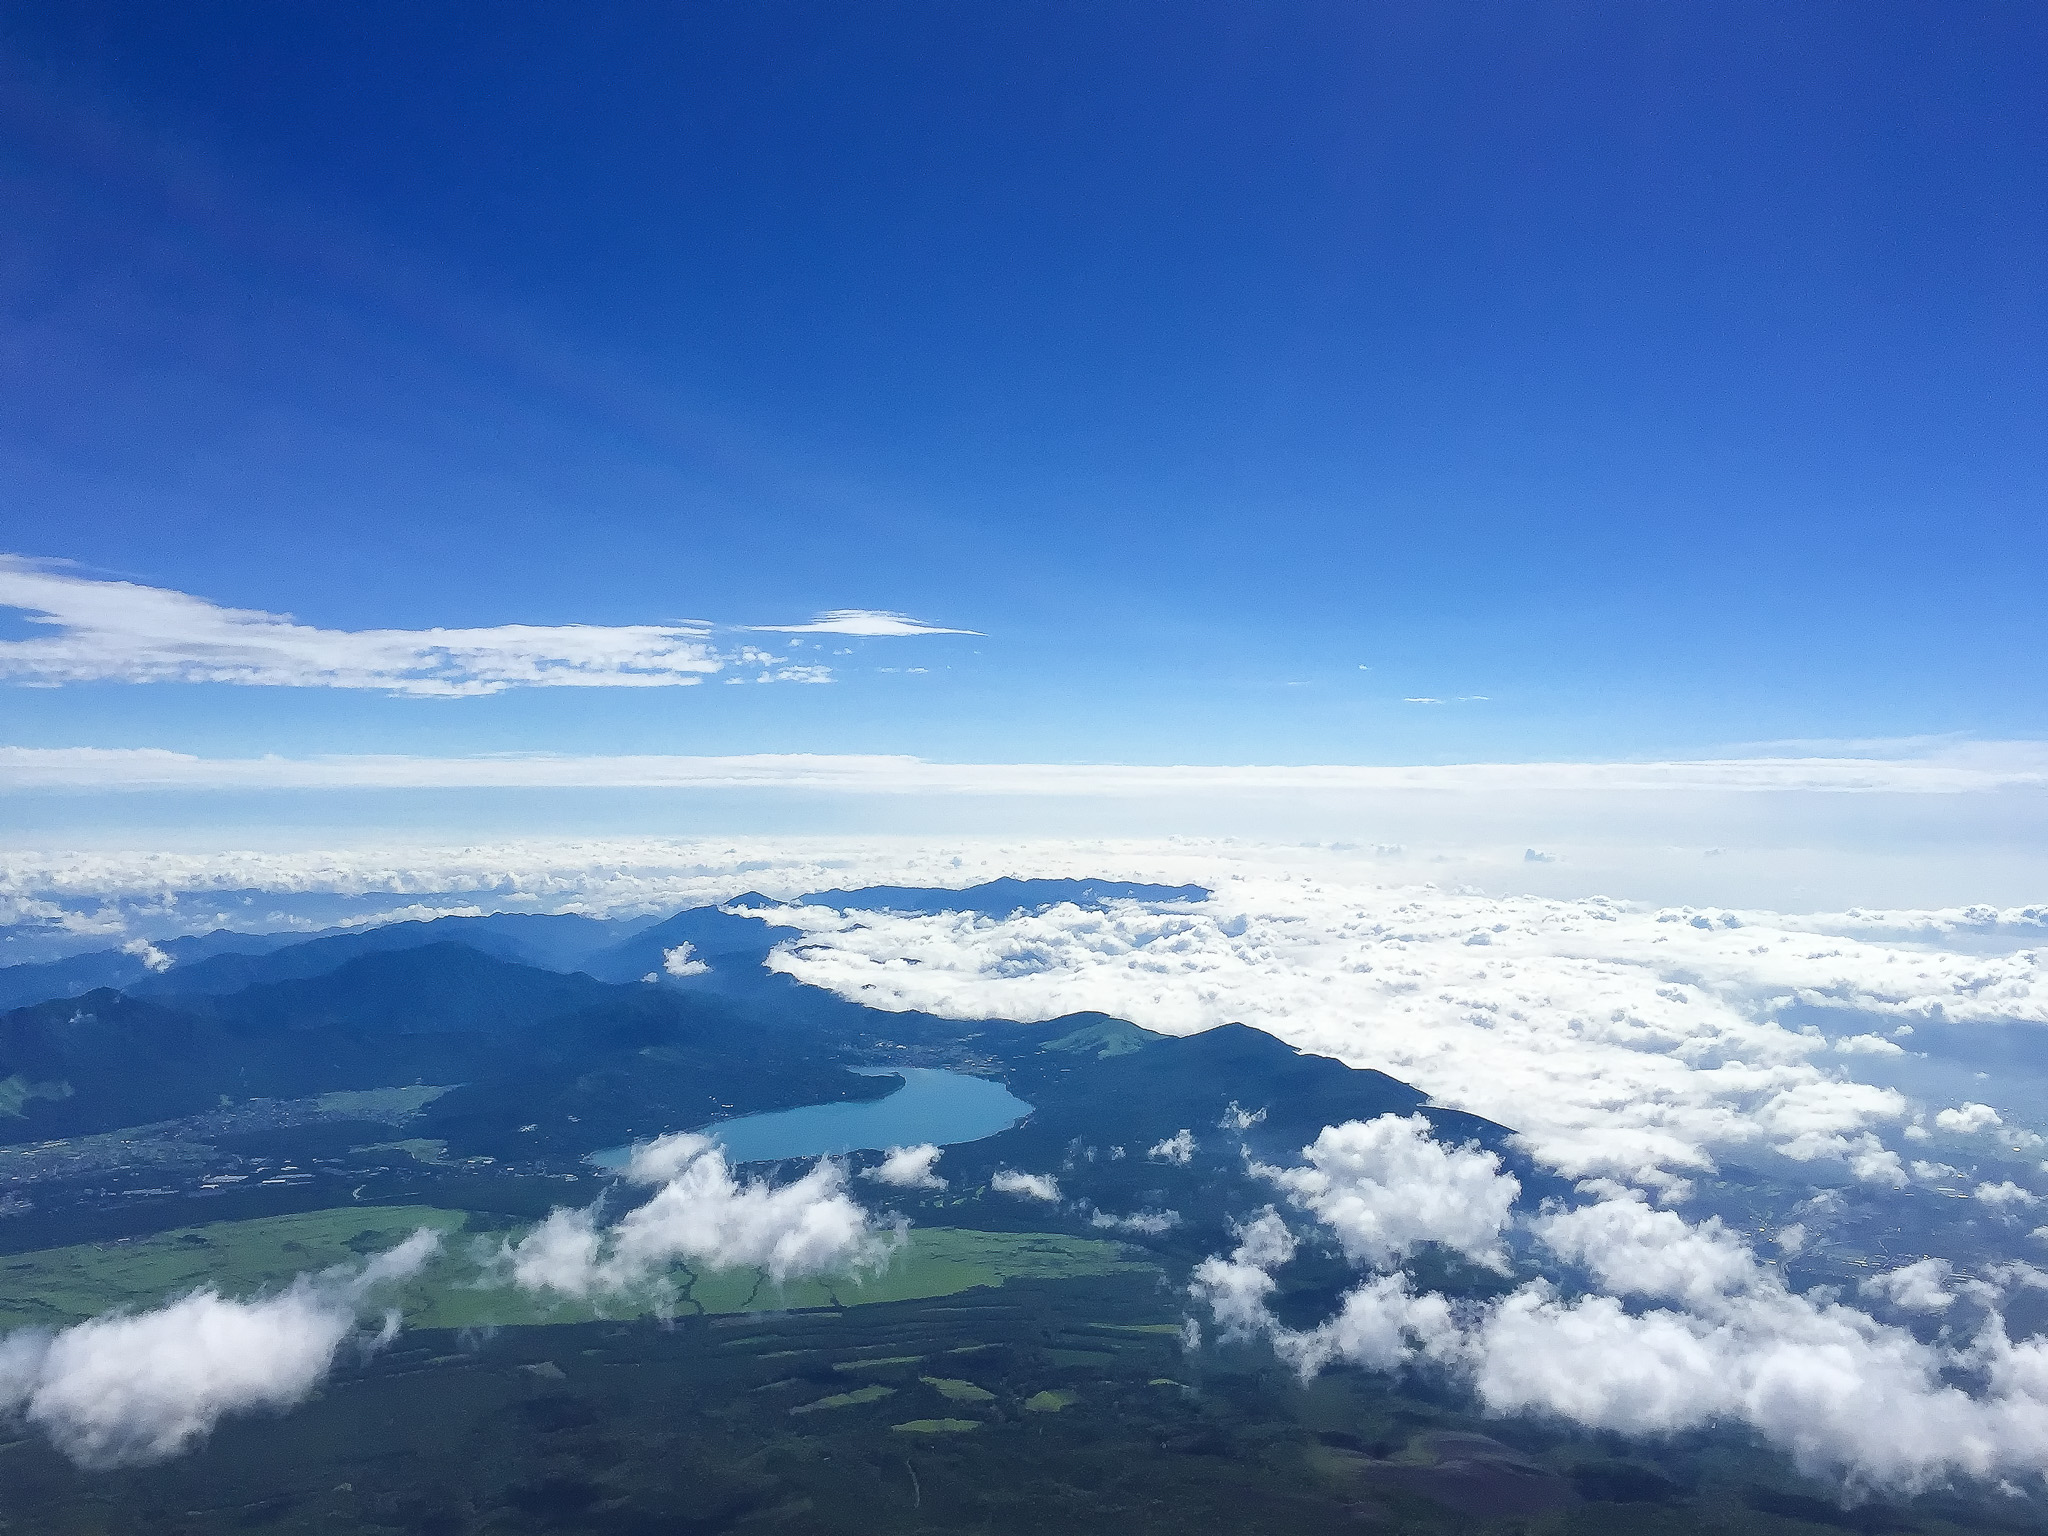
{"x": 700, "y": 1214}
{"x": 1677, "y": 1326}
{"x": 135, "y": 1387}
{"x": 1619, "y": 1040}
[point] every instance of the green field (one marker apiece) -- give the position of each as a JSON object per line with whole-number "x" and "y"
{"x": 57, "y": 1286}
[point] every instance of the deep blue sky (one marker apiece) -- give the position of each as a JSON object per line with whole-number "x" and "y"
{"x": 1671, "y": 375}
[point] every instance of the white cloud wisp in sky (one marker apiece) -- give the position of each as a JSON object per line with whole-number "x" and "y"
{"x": 122, "y": 631}
{"x": 867, "y": 622}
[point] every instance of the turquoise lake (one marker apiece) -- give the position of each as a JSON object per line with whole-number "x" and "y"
{"x": 932, "y": 1105}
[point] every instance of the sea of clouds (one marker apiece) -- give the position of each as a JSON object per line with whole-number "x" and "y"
{"x": 1635, "y": 1048}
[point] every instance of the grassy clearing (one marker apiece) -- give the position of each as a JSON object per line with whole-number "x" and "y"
{"x": 1051, "y": 1402}
{"x": 58, "y": 1286}
{"x": 16, "y": 1091}
{"x": 953, "y": 1390}
{"x": 872, "y": 1394}
{"x": 936, "y": 1426}
{"x": 380, "y": 1103}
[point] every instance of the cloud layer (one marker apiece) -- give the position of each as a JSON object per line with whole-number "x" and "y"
{"x": 122, "y": 631}
{"x": 1620, "y": 1041}
{"x": 2016, "y": 766}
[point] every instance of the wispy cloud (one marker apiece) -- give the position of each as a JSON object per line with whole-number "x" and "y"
{"x": 122, "y": 631}
{"x": 861, "y": 621}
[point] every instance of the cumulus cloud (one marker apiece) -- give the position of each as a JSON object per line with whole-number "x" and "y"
{"x": 678, "y": 961}
{"x": 700, "y": 1214}
{"x": 908, "y": 1168}
{"x": 2006, "y": 1193}
{"x": 1385, "y": 1186}
{"x": 1918, "y": 1287}
{"x": 95, "y": 631}
{"x": 1968, "y": 1119}
{"x": 152, "y": 957}
{"x": 1236, "y": 1287}
{"x": 136, "y": 1387}
{"x": 1635, "y": 1251}
{"x": 1026, "y": 1186}
{"x": 1177, "y": 1148}
{"x": 1714, "y": 1336}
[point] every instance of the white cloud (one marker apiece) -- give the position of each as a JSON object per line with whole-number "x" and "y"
{"x": 1918, "y": 1287}
{"x": 1968, "y": 1119}
{"x": 1635, "y": 1251}
{"x": 2006, "y": 1193}
{"x": 677, "y": 961}
{"x": 700, "y": 1214}
{"x": 121, "y": 631}
{"x": 908, "y": 1168}
{"x": 125, "y": 632}
{"x": 1386, "y": 1185}
{"x": 143, "y": 1386}
{"x": 1026, "y": 1186}
{"x": 861, "y": 621}
{"x": 1839, "y": 1391}
{"x": 1618, "y": 1040}
{"x": 1866, "y": 1045}
{"x": 152, "y": 957}
{"x": 1236, "y": 1287}
{"x": 1177, "y": 1148}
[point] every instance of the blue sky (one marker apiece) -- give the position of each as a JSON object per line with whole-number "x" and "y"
{"x": 1635, "y": 380}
